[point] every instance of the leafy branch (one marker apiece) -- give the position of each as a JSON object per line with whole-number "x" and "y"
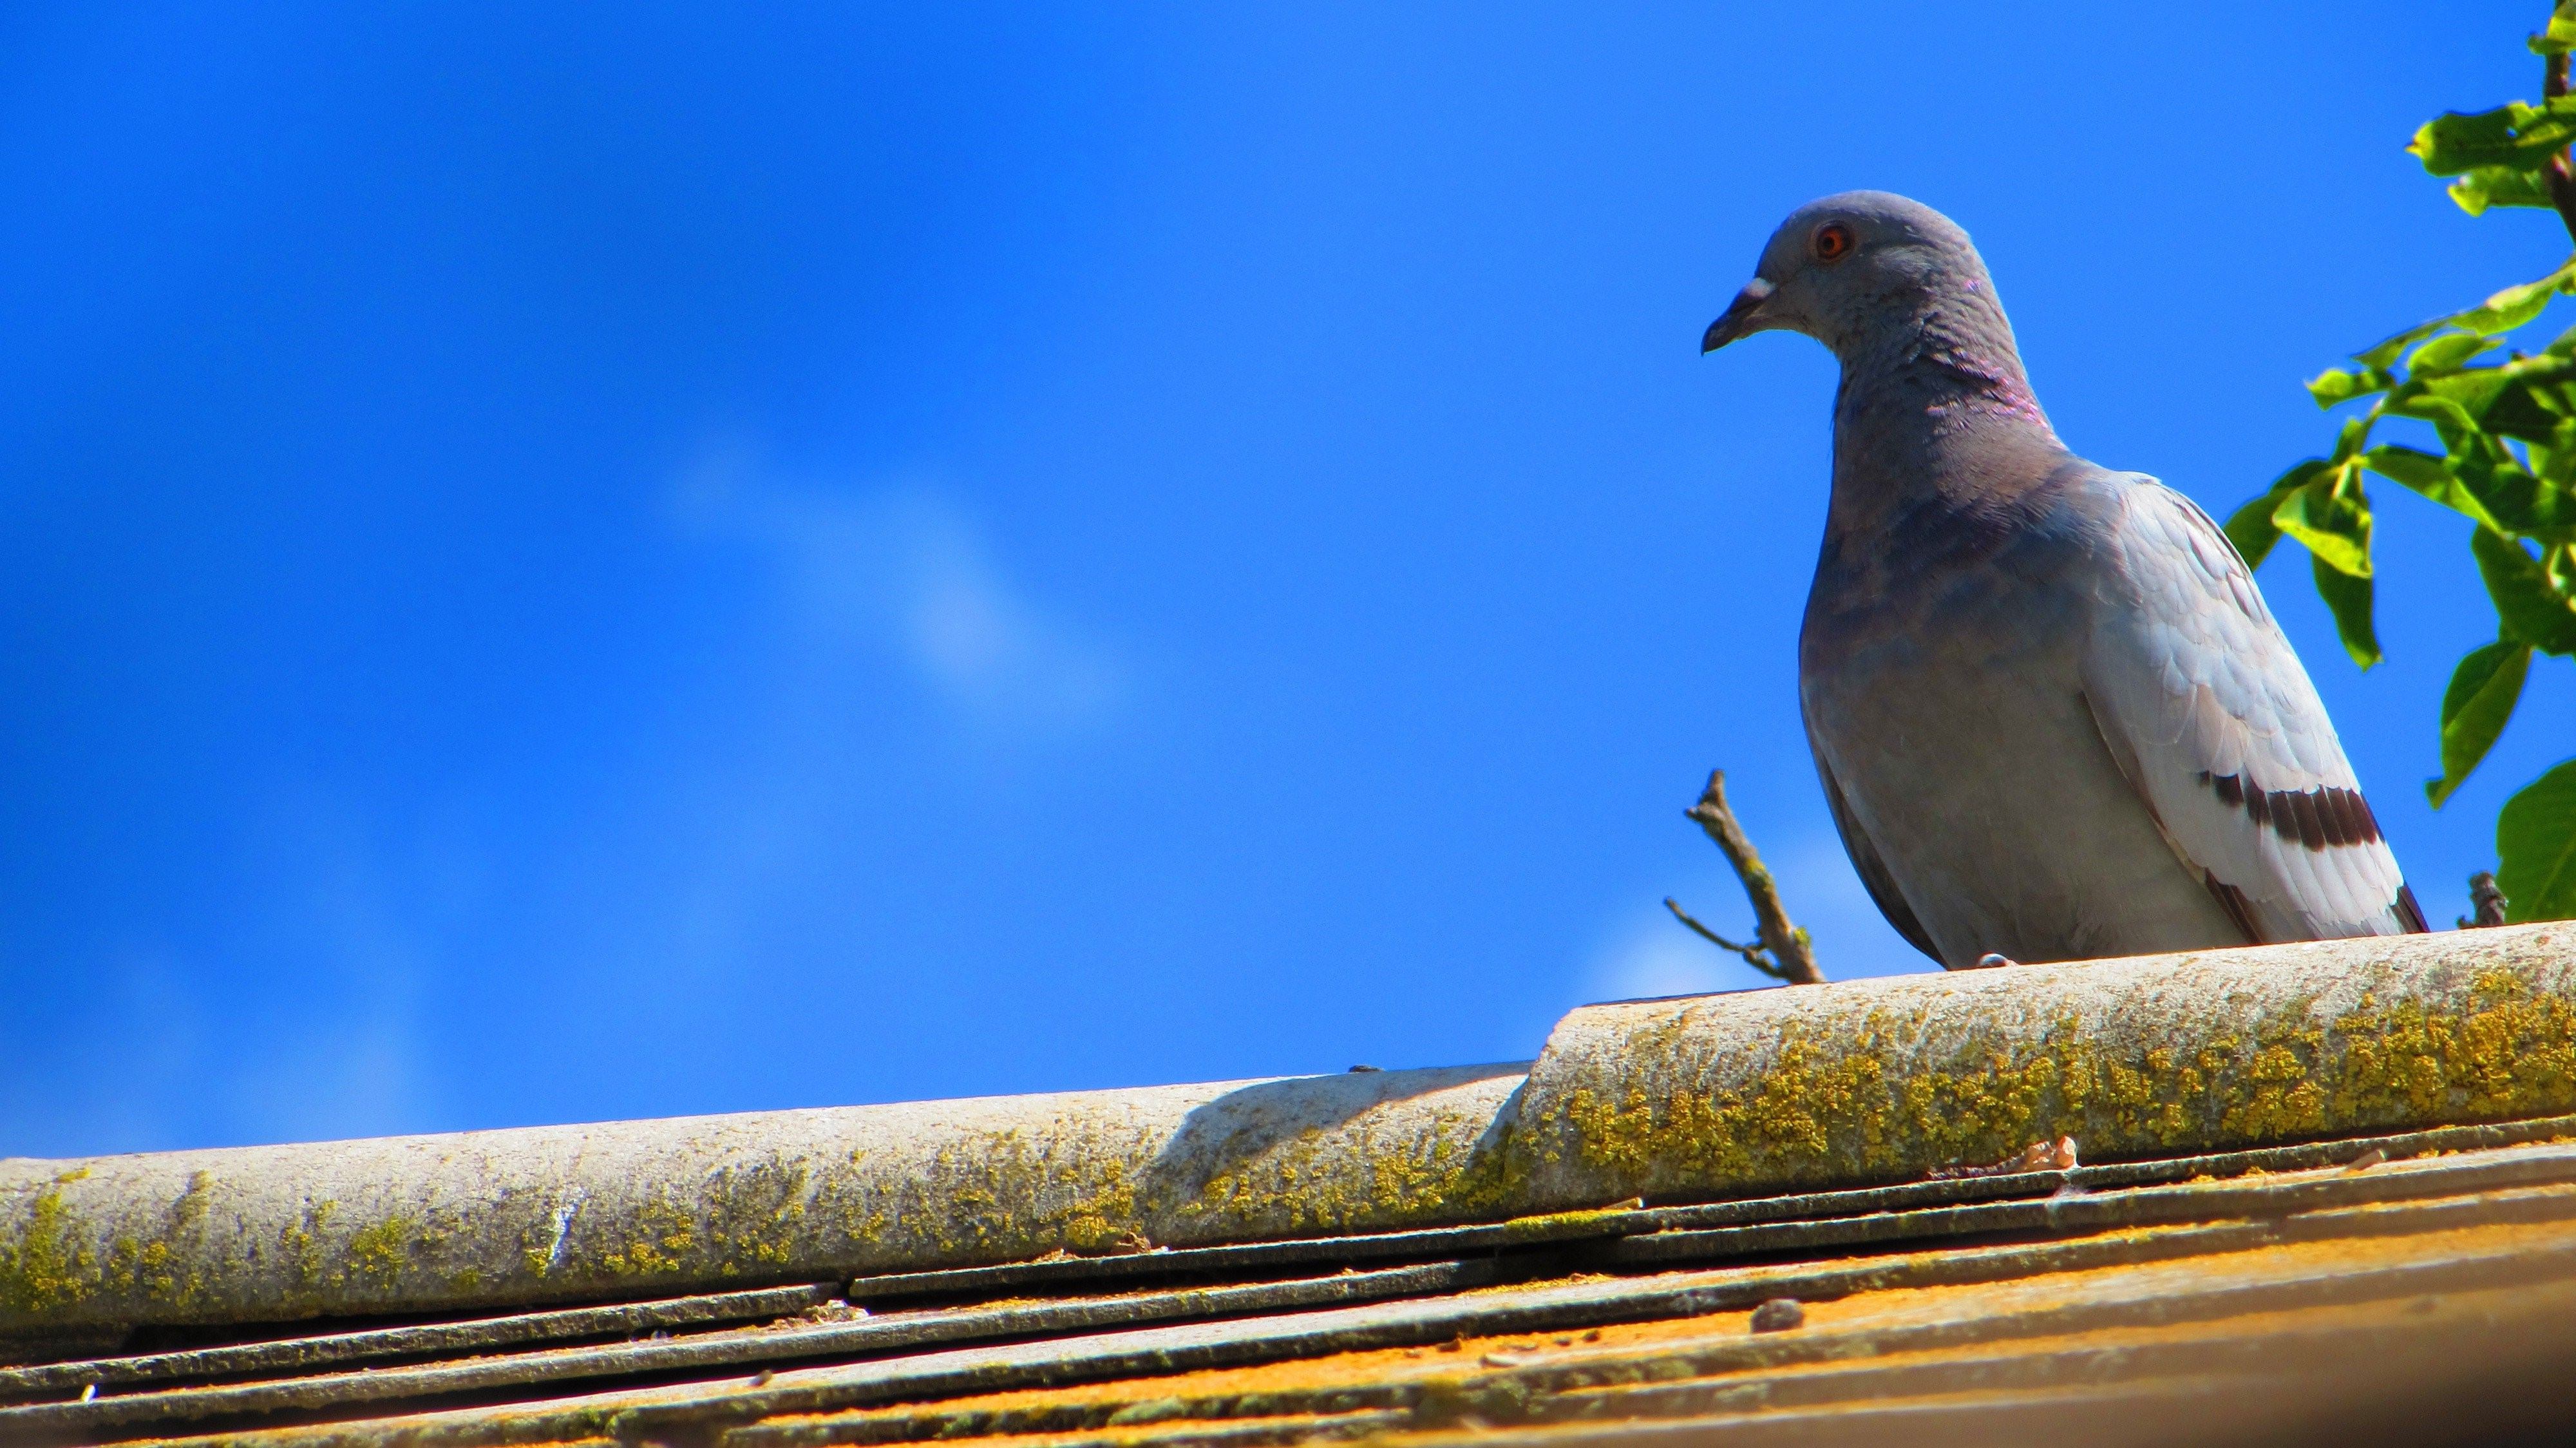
{"x": 2507, "y": 427}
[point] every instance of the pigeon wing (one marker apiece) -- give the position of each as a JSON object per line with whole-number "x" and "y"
{"x": 1865, "y": 860}
{"x": 2210, "y": 714}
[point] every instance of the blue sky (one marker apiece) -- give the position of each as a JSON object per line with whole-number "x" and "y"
{"x": 566, "y": 563}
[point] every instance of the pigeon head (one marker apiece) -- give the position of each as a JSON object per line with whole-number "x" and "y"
{"x": 1859, "y": 270}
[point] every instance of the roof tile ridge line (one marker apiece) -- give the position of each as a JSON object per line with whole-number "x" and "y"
{"x": 535, "y": 1217}
{"x": 1800, "y": 1089}
{"x": 1700, "y": 1095}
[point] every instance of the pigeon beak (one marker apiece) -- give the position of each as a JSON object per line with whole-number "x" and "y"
{"x": 1742, "y": 317}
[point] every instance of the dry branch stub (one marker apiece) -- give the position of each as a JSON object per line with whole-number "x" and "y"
{"x": 1782, "y": 950}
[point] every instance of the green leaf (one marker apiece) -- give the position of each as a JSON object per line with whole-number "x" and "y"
{"x": 2536, "y": 848}
{"x": 2553, "y": 465}
{"x": 2483, "y": 691}
{"x": 2486, "y": 186}
{"x": 2528, "y": 406}
{"x": 2385, "y": 352}
{"x": 2454, "y": 422}
{"x": 2333, "y": 520}
{"x": 2428, "y": 475}
{"x": 2515, "y": 305}
{"x": 2514, "y": 501}
{"x": 2334, "y": 387}
{"x": 2501, "y": 312}
{"x": 2348, "y": 598}
{"x": 2474, "y": 390}
{"x": 2558, "y": 39}
{"x": 2550, "y": 364}
{"x": 2445, "y": 353}
{"x": 2457, "y": 141}
{"x": 2250, "y": 527}
{"x": 2532, "y": 611}
{"x": 2514, "y": 135}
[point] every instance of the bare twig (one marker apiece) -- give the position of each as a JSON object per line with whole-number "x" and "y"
{"x": 1754, "y": 955}
{"x": 2562, "y": 181}
{"x": 2486, "y": 900}
{"x": 1791, "y": 956}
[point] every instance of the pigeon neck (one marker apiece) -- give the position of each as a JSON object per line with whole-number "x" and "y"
{"x": 1924, "y": 414}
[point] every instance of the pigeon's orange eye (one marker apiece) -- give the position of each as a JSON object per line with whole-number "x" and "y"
{"x": 1833, "y": 241}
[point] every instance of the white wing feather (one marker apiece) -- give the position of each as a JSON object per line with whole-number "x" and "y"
{"x": 2209, "y": 712}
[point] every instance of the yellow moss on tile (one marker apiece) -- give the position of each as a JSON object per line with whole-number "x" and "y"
{"x": 1889, "y": 1096}
{"x": 378, "y": 1252}
{"x": 661, "y": 1239}
{"x": 1018, "y": 1192}
{"x": 1447, "y": 1173}
{"x": 46, "y": 1265}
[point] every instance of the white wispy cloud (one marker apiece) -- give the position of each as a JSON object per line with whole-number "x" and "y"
{"x": 1651, "y": 955}
{"x": 904, "y": 567}
{"x": 333, "y": 1045}
{"x": 363, "y": 951}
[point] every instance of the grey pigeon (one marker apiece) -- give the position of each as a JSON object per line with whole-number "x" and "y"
{"x": 2053, "y": 716}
